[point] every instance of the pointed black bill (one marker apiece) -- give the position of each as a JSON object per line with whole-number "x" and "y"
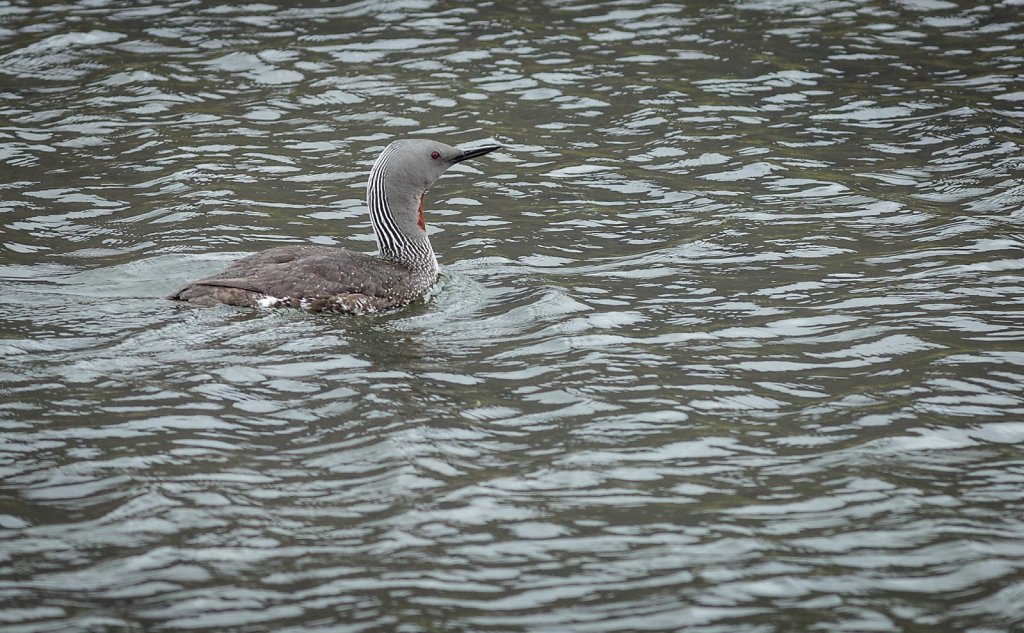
{"x": 473, "y": 152}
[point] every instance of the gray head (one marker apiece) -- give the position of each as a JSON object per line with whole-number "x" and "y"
{"x": 399, "y": 180}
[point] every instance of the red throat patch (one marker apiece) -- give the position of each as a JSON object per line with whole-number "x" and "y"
{"x": 421, "y": 222}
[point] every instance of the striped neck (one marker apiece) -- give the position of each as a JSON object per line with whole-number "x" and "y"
{"x": 396, "y": 213}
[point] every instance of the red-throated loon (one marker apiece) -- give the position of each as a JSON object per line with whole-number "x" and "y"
{"x": 329, "y": 279}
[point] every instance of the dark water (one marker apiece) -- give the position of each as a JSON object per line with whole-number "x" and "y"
{"x": 730, "y": 337}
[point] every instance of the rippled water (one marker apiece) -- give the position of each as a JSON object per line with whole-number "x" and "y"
{"x": 728, "y": 338}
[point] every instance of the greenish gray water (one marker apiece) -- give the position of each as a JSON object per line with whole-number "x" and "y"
{"x": 728, "y": 338}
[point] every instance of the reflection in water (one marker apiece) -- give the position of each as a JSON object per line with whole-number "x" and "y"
{"x": 728, "y": 338}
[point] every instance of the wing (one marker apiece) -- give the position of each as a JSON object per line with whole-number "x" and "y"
{"x": 315, "y": 277}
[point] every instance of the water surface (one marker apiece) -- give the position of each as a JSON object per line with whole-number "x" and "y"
{"x": 727, "y": 338}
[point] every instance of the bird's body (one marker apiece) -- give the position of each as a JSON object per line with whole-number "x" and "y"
{"x": 314, "y": 278}
{"x": 327, "y": 279}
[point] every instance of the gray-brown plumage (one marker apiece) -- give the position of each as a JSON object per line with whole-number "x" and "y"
{"x": 322, "y": 278}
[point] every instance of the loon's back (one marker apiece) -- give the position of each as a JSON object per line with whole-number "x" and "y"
{"x": 314, "y": 278}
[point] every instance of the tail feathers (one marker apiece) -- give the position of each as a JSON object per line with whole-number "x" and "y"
{"x": 206, "y": 296}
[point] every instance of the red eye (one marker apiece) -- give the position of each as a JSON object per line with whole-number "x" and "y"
{"x": 435, "y": 154}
